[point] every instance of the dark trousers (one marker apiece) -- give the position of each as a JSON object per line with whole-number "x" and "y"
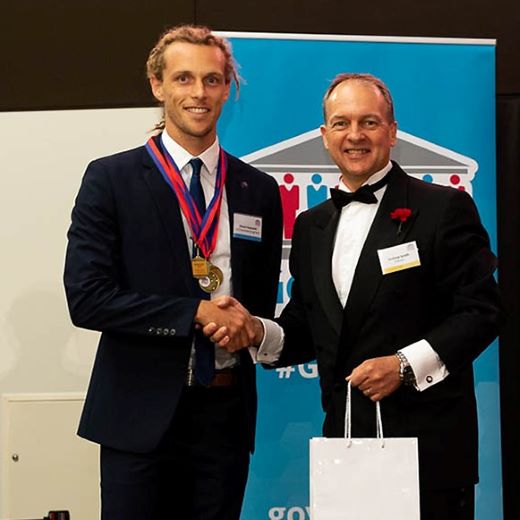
{"x": 198, "y": 472}
{"x": 448, "y": 504}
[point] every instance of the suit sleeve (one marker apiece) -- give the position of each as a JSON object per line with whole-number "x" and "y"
{"x": 298, "y": 345}
{"x": 464, "y": 267}
{"x": 273, "y": 253}
{"x": 95, "y": 293}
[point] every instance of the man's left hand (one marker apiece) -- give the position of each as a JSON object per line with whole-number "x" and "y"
{"x": 377, "y": 377}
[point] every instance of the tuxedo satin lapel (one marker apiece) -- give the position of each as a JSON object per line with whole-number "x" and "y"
{"x": 382, "y": 234}
{"x": 170, "y": 214}
{"x": 237, "y": 191}
{"x": 322, "y": 239}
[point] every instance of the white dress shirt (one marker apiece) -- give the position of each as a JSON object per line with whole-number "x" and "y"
{"x": 353, "y": 227}
{"x": 221, "y": 256}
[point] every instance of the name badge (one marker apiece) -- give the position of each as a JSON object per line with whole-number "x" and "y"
{"x": 398, "y": 258}
{"x": 248, "y": 227}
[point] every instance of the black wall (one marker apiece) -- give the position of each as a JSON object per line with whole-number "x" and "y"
{"x": 65, "y": 54}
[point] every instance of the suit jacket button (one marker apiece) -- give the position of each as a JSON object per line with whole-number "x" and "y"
{"x": 158, "y": 331}
{"x": 165, "y": 332}
{"x": 151, "y": 330}
{"x": 172, "y": 332}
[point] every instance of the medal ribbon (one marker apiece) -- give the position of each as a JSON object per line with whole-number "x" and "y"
{"x": 204, "y": 228}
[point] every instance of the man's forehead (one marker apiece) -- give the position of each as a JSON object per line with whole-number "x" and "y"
{"x": 359, "y": 97}
{"x": 355, "y": 88}
{"x": 189, "y": 52}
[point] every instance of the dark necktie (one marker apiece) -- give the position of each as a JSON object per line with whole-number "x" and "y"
{"x": 364, "y": 194}
{"x": 204, "y": 349}
{"x": 196, "y": 191}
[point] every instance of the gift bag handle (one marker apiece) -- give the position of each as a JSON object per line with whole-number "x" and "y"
{"x": 348, "y": 419}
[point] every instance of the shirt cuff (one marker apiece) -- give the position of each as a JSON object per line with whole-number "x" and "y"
{"x": 426, "y": 364}
{"x": 269, "y": 350}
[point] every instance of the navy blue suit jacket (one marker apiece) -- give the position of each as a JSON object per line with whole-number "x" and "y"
{"x": 128, "y": 275}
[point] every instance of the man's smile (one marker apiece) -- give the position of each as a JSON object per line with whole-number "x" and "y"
{"x": 357, "y": 151}
{"x": 197, "y": 110}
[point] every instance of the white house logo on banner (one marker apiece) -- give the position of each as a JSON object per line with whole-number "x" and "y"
{"x": 305, "y": 172}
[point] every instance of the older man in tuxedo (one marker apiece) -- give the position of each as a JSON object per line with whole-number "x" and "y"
{"x": 393, "y": 291}
{"x": 156, "y": 233}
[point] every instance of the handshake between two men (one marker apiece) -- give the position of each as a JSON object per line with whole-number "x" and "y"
{"x": 228, "y": 324}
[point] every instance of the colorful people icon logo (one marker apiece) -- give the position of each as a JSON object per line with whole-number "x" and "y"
{"x": 290, "y": 203}
{"x": 316, "y": 194}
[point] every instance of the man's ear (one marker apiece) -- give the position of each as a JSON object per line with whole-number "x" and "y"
{"x": 226, "y": 95}
{"x": 323, "y": 130}
{"x": 393, "y": 133}
{"x": 156, "y": 86}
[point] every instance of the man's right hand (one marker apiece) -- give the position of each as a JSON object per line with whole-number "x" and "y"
{"x": 243, "y": 330}
{"x": 227, "y": 323}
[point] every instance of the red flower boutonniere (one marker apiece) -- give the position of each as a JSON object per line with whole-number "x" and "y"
{"x": 401, "y": 215}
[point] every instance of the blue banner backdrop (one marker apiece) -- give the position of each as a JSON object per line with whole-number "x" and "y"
{"x": 444, "y": 94}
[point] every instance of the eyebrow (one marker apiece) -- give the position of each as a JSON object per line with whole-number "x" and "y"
{"x": 364, "y": 116}
{"x": 192, "y": 73}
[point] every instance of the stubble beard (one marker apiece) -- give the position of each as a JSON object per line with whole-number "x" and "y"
{"x": 186, "y": 130}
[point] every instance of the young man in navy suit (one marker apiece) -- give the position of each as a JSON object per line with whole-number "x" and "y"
{"x": 393, "y": 291}
{"x": 157, "y": 233}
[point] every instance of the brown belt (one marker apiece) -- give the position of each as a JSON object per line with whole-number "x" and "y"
{"x": 223, "y": 378}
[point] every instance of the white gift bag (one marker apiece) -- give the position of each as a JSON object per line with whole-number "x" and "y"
{"x": 364, "y": 479}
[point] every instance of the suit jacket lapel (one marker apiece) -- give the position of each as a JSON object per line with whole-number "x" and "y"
{"x": 238, "y": 201}
{"x": 170, "y": 214}
{"x": 383, "y": 233}
{"x": 322, "y": 239}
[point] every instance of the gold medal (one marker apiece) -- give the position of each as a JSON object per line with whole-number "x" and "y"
{"x": 199, "y": 267}
{"x": 212, "y": 281}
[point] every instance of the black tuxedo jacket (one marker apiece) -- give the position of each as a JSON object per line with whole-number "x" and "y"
{"x": 128, "y": 275}
{"x": 450, "y": 300}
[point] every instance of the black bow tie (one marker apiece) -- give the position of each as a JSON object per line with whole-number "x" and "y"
{"x": 364, "y": 194}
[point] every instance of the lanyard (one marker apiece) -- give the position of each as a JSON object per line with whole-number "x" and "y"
{"x": 204, "y": 228}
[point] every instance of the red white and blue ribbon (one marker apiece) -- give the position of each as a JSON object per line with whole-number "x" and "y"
{"x": 204, "y": 228}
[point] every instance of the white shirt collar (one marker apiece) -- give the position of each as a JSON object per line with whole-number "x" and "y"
{"x": 376, "y": 177}
{"x": 182, "y": 157}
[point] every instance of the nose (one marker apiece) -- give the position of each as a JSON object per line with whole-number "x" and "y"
{"x": 355, "y": 132}
{"x": 198, "y": 89}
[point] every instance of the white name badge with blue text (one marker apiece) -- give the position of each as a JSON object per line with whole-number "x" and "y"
{"x": 248, "y": 227}
{"x": 397, "y": 258}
